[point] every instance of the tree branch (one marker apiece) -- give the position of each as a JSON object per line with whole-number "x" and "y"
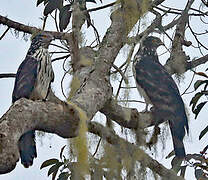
{"x": 61, "y": 119}
{"x": 30, "y": 29}
{"x": 197, "y": 62}
{"x": 25, "y": 115}
{"x": 127, "y": 117}
{"x": 7, "y": 75}
{"x": 134, "y": 152}
{"x": 178, "y": 58}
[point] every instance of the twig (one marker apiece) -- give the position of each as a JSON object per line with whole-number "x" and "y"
{"x": 97, "y": 147}
{"x": 30, "y": 29}
{"x": 127, "y": 65}
{"x": 196, "y": 37}
{"x": 8, "y": 75}
{"x": 60, "y": 58}
{"x": 58, "y": 52}
{"x": 188, "y": 85}
{"x": 121, "y": 73}
{"x": 55, "y": 20}
{"x": 131, "y": 101}
{"x": 4, "y": 33}
{"x": 129, "y": 87}
{"x": 197, "y": 62}
{"x": 62, "y": 89}
{"x": 101, "y": 7}
{"x": 59, "y": 46}
{"x": 44, "y": 22}
{"x": 96, "y": 33}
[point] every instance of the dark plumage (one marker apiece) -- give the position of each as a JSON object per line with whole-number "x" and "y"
{"x": 33, "y": 80}
{"x": 159, "y": 89}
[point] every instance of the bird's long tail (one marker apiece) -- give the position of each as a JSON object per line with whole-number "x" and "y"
{"x": 27, "y": 148}
{"x": 178, "y": 133}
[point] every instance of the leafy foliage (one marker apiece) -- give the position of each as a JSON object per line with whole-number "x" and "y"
{"x": 194, "y": 101}
{"x": 204, "y": 131}
{"x": 56, "y": 165}
{"x": 64, "y": 17}
{"x": 199, "y": 162}
{"x": 65, "y": 11}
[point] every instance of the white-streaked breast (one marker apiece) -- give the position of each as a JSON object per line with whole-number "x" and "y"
{"x": 45, "y": 74}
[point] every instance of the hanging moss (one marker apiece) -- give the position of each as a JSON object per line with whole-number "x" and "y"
{"x": 80, "y": 143}
{"x": 131, "y": 11}
{"x": 74, "y": 86}
{"x": 84, "y": 61}
{"x": 111, "y": 161}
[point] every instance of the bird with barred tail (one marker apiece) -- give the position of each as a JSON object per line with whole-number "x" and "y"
{"x": 158, "y": 88}
{"x": 33, "y": 80}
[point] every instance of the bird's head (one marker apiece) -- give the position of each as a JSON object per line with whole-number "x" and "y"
{"x": 42, "y": 39}
{"x": 152, "y": 42}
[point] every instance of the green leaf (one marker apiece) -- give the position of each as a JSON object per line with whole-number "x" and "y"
{"x": 51, "y": 6}
{"x": 49, "y": 162}
{"x": 54, "y": 168}
{"x": 198, "y": 173}
{"x": 63, "y": 176}
{"x": 39, "y": 2}
{"x": 195, "y": 99}
{"x": 45, "y": 2}
{"x": 93, "y": 1}
{"x": 198, "y": 108}
{"x": 61, "y": 153}
{"x": 64, "y": 17}
{"x": 204, "y": 151}
{"x": 54, "y": 174}
{"x": 204, "y": 92}
{"x": 203, "y": 132}
{"x": 199, "y": 83}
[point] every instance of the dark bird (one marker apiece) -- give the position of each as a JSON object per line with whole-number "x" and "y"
{"x": 33, "y": 80}
{"x": 158, "y": 88}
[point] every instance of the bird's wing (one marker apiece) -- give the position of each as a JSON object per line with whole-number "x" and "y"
{"x": 25, "y": 78}
{"x": 165, "y": 97}
{"x": 158, "y": 84}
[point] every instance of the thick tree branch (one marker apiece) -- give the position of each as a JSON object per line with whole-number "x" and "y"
{"x": 61, "y": 119}
{"x": 30, "y": 29}
{"x": 133, "y": 151}
{"x": 26, "y": 115}
{"x": 17, "y": 26}
{"x": 127, "y": 117}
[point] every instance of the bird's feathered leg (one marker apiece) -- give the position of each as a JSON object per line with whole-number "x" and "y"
{"x": 27, "y": 148}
